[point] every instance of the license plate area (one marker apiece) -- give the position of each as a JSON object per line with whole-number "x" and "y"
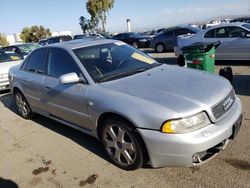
{"x": 236, "y": 127}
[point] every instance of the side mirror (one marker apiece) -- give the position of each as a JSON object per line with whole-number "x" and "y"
{"x": 69, "y": 78}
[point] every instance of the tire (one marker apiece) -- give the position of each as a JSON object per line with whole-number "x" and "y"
{"x": 122, "y": 144}
{"x": 160, "y": 48}
{"x": 22, "y": 105}
{"x": 135, "y": 45}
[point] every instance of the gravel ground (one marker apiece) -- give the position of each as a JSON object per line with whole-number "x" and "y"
{"x": 44, "y": 153}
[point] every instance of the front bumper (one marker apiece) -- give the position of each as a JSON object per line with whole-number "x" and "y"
{"x": 4, "y": 84}
{"x": 180, "y": 149}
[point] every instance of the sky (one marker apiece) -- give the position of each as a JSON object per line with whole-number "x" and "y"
{"x": 63, "y": 15}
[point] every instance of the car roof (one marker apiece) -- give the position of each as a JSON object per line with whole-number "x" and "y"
{"x": 236, "y": 24}
{"x": 79, "y": 43}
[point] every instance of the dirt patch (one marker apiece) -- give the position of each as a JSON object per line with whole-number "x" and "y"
{"x": 90, "y": 180}
{"x": 40, "y": 170}
{"x": 239, "y": 164}
{"x": 45, "y": 162}
{"x": 55, "y": 182}
{"x": 53, "y": 171}
{"x": 35, "y": 181}
{"x": 194, "y": 169}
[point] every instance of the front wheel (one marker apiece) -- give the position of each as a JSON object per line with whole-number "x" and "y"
{"x": 122, "y": 144}
{"x": 23, "y": 106}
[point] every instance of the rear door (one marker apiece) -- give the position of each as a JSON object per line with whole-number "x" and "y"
{"x": 66, "y": 102}
{"x": 238, "y": 47}
{"x": 169, "y": 39}
{"x": 33, "y": 74}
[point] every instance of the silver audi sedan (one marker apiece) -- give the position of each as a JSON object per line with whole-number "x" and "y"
{"x": 140, "y": 110}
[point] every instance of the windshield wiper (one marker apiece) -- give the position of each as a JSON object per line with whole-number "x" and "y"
{"x": 127, "y": 73}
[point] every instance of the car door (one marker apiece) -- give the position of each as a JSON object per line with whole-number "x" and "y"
{"x": 167, "y": 37}
{"x": 67, "y": 102}
{"x": 33, "y": 73}
{"x": 220, "y": 34}
{"x": 239, "y": 46}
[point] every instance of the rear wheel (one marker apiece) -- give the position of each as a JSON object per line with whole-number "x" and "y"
{"x": 122, "y": 144}
{"x": 160, "y": 48}
{"x": 23, "y": 106}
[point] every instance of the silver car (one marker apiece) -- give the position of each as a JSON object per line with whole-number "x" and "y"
{"x": 140, "y": 110}
{"x": 234, "y": 38}
{"x": 7, "y": 60}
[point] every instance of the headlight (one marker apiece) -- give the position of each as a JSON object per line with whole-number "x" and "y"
{"x": 3, "y": 76}
{"x": 186, "y": 124}
{"x": 143, "y": 40}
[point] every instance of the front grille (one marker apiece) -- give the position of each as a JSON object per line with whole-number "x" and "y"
{"x": 224, "y": 106}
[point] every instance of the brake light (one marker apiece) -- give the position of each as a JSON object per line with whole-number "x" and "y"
{"x": 196, "y": 62}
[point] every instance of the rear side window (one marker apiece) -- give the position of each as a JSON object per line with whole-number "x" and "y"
{"x": 37, "y": 62}
{"x": 168, "y": 33}
{"x": 221, "y": 33}
{"x": 60, "y": 62}
{"x": 210, "y": 34}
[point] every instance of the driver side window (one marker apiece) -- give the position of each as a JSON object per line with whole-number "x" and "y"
{"x": 60, "y": 62}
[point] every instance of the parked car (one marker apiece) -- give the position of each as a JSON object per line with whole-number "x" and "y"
{"x": 167, "y": 40}
{"x": 139, "y": 109}
{"x": 217, "y": 22}
{"x": 22, "y": 50}
{"x": 58, "y": 39}
{"x": 134, "y": 39}
{"x": 80, "y": 36}
{"x": 234, "y": 38}
{"x": 242, "y": 19}
{"x": 43, "y": 42}
{"x": 7, "y": 60}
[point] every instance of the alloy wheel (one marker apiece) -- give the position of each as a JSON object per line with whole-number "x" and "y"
{"x": 119, "y": 145}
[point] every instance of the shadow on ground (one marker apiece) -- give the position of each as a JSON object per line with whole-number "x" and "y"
{"x": 241, "y": 84}
{"x": 7, "y": 183}
{"x": 234, "y": 63}
{"x": 88, "y": 142}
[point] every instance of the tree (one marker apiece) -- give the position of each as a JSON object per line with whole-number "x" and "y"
{"x": 34, "y": 33}
{"x": 85, "y": 24}
{"x": 3, "y": 40}
{"x": 98, "y": 10}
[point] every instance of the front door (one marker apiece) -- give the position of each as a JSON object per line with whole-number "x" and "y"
{"x": 67, "y": 102}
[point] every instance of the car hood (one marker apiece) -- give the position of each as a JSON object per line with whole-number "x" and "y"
{"x": 5, "y": 66}
{"x": 179, "y": 90}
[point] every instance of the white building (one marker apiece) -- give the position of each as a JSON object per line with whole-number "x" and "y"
{"x": 15, "y": 38}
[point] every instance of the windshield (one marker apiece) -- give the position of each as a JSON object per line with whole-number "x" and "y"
{"x": 8, "y": 56}
{"x": 27, "y": 48}
{"x": 110, "y": 60}
{"x": 246, "y": 26}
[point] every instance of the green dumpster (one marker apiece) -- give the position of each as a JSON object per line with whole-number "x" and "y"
{"x": 200, "y": 56}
